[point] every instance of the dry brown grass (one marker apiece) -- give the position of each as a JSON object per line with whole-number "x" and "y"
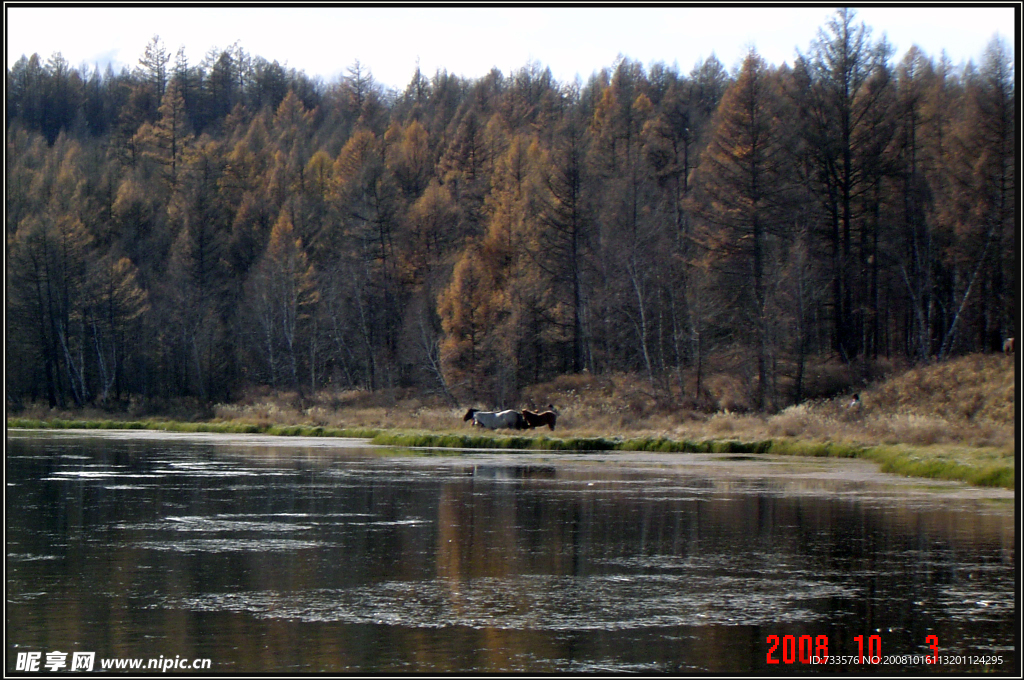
{"x": 976, "y": 388}
{"x": 351, "y": 409}
{"x": 967, "y": 402}
{"x": 949, "y": 421}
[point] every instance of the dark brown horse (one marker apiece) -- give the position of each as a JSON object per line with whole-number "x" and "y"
{"x": 534, "y": 419}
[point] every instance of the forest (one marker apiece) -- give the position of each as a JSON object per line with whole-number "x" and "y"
{"x": 192, "y": 231}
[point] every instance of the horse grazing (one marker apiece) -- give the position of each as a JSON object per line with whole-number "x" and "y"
{"x": 493, "y": 420}
{"x": 1008, "y": 347}
{"x": 534, "y": 419}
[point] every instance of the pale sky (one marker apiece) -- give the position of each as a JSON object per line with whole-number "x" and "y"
{"x": 469, "y": 41}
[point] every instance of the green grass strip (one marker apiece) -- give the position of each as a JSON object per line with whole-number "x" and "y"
{"x": 891, "y": 461}
{"x": 902, "y": 462}
{"x": 911, "y": 464}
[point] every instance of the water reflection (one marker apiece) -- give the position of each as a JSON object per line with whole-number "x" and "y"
{"x": 277, "y": 557}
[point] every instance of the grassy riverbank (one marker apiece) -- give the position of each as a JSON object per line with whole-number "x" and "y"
{"x": 951, "y": 421}
{"x": 979, "y": 467}
{"x": 179, "y": 426}
{"x": 982, "y": 467}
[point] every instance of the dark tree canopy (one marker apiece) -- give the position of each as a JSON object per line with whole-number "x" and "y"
{"x": 194, "y": 230}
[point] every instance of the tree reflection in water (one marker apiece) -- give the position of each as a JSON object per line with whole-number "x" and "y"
{"x": 302, "y": 557}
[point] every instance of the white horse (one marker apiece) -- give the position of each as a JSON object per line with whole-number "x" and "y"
{"x": 493, "y": 420}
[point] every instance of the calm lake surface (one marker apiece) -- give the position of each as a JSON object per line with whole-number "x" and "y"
{"x": 306, "y": 555}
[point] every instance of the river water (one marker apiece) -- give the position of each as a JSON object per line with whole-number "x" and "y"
{"x": 319, "y": 555}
